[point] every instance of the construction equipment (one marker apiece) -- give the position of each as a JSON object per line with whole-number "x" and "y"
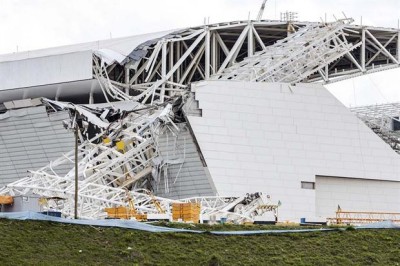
{"x": 261, "y": 12}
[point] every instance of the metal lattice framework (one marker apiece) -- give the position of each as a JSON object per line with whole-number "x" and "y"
{"x": 115, "y": 166}
{"x": 117, "y": 159}
{"x": 295, "y": 58}
{"x": 382, "y": 119}
{"x": 244, "y": 208}
{"x": 250, "y": 50}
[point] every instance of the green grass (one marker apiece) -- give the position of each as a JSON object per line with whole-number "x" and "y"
{"x": 235, "y": 227}
{"x": 46, "y": 243}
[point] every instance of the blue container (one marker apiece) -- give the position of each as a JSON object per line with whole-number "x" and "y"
{"x": 302, "y": 220}
{"x": 52, "y": 213}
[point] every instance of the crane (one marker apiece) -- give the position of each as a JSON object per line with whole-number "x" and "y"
{"x": 260, "y": 13}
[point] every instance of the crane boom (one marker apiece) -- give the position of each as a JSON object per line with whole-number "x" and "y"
{"x": 260, "y": 13}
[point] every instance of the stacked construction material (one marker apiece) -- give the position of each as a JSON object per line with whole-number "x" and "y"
{"x": 124, "y": 213}
{"x": 186, "y": 212}
{"x": 6, "y": 200}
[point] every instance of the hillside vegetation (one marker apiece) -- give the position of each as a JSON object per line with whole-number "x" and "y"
{"x": 46, "y": 243}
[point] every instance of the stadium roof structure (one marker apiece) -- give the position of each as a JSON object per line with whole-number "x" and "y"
{"x": 176, "y": 58}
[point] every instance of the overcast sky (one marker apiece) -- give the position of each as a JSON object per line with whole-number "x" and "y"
{"x": 35, "y": 24}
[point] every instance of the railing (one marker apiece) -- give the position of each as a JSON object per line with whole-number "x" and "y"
{"x": 357, "y": 217}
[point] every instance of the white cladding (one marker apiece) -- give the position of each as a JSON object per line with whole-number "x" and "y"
{"x": 123, "y": 45}
{"x": 355, "y": 195}
{"x": 41, "y": 73}
{"x": 46, "y": 70}
{"x": 269, "y": 137}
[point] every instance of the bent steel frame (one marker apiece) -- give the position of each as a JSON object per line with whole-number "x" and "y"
{"x": 158, "y": 69}
{"x": 383, "y": 119}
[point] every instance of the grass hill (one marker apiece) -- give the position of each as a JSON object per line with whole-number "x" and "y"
{"x": 46, "y": 243}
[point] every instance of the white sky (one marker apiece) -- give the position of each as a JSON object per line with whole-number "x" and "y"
{"x": 35, "y": 24}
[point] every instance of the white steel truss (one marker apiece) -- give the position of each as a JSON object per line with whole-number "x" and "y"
{"x": 384, "y": 120}
{"x": 237, "y": 209}
{"x": 116, "y": 165}
{"x": 296, "y": 57}
{"x": 118, "y": 159}
{"x": 316, "y": 52}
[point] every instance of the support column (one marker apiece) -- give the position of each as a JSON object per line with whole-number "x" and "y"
{"x": 213, "y": 53}
{"x": 171, "y": 64}
{"x": 398, "y": 46}
{"x": 163, "y": 68}
{"x": 327, "y": 73}
{"x": 177, "y": 56}
{"x": 207, "y": 54}
{"x": 363, "y": 49}
{"x": 250, "y": 41}
{"x": 127, "y": 80}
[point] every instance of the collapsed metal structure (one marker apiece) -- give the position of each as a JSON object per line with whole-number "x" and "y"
{"x": 383, "y": 119}
{"x": 299, "y": 52}
{"x": 118, "y": 155}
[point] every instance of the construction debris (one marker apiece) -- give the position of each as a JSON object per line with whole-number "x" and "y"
{"x": 319, "y": 47}
{"x": 384, "y": 120}
{"x": 119, "y": 161}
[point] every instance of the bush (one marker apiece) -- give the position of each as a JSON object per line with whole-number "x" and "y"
{"x": 350, "y": 228}
{"x": 215, "y": 260}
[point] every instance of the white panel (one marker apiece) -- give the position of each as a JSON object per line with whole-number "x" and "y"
{"x": 53, "y": 69}
{"x": 292, "y": 136}
{"x": 355, "y": 195}
{"x": 123, "y": 45}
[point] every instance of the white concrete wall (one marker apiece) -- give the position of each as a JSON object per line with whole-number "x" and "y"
{"x": 270, "y": 137}
{"x": 355, "y": 195}
{"x": 46, "y": 70}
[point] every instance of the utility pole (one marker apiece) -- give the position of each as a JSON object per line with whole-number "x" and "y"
{"x": 76, "y": 128}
